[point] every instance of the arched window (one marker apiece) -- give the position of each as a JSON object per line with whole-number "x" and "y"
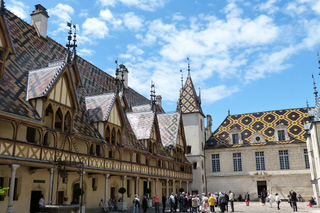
{"x": 58, "y": 120}
{"x": 137, "y": 158}
{"x": 108, "y": 135}
{"x": 118, "y": 138}
{"x": 110, "y": 153}
{"x": 67, "y": 123}
{"x": 113, "y": 137}
{"x": 48, "y": 116}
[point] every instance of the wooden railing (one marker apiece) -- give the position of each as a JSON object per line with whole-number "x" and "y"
{"x": 43, "y": 153}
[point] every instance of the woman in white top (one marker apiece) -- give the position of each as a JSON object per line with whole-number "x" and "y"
{"x": 278, "y": 200}
{"x": 270, "y": 200}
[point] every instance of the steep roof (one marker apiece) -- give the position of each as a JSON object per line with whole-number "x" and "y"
{"x": 35, "y": 53}
{"x": 188, "y": 99}
{"x": 263, "y": 123}
{"x": 142, "y": 124}
{"x": 169, "y": 124}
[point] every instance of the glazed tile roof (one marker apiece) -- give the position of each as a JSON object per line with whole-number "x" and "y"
{"x": 142, "y": 108}
{"x": 41, "y": 80}
{"x": 188, "y": 99}
{"x": 35, "y": 53}
{"x": 169, "y": 125}
{"x": 99, "y": 106}
{"x": 142, "y": 124}
{"x": 264, "y": 123}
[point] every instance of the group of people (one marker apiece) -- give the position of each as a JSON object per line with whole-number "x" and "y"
{"x": 110, "y": 205}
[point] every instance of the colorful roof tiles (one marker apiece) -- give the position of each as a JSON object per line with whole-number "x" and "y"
{"x": 263, "y": 123}
{"x": 99, "y": 106}
{"x": 142, "y": 124}
{"x": 189, "y": 102}
{"x": 169, "y": 125}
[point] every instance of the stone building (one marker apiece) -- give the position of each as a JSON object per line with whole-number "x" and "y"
{"x": 67, "y": 127}
{"x": 255, "y": 151}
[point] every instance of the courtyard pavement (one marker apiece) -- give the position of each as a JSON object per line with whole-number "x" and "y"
{"x": 256, "y": 207}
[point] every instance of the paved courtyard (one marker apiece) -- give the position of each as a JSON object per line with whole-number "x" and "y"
{"x": 256, "y": 207}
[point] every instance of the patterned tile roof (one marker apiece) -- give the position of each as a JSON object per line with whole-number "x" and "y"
{"x": 34, "y": 53}
{"x": 99, "y": 106}
{"x": 142, "y": 108}
{"x": 41, "y": 80}
{"x": 169, "y": 124}
{"x": 261, "y": 122}
{"x": 188, "y": 99}
{"x": 142, "y": 124}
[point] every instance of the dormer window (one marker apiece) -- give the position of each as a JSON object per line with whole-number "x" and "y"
{"x": 257, "y": 138}
{"x": 281, "y": 133}
{"x": 235, "y": 137}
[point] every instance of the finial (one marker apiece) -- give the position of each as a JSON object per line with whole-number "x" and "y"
{"x": 2, "y": 10}
{"x": 153, "y": 96}
{"x": 228, "y": 112}
{"x": 181, "y": 79}
{"x": 315, "y": 89}
{"x": 199, "y": 95}
{"x": 74, "y": 40}
{"x": 318, "y": 60}
{"x": 307, "y": 104}
{"x": 188, "y": 67}
{"x": 69, "y": 45}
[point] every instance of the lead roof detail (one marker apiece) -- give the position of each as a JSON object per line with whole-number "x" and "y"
{"x": 261, "y": 122}
{"x": 189, "y": 102}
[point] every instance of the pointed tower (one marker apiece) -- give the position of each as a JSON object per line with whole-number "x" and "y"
{"x": 193, "y": 121}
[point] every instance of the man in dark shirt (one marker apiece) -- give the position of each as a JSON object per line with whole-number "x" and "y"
{"x": 164, "y": 200}
{"x": 294, "y": 200}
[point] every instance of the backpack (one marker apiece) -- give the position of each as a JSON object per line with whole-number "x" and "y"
{"x": 169, "y": 199}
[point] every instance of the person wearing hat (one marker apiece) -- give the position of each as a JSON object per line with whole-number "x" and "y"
{"x": 231, "y": 200}
{"x": 278, "y": 200}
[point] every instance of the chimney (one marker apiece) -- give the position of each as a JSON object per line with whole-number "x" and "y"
{"x": 39, "y": 20}
{"x": 209, "y": 127}
{"x": 123, "y": 75}
{"x": 158, "y": 100}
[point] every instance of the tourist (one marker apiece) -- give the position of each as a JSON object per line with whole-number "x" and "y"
{"x": 278, "y": 200}
{"x": 156, "y": 203}
{"x": 164, "y": 201}
{"x": 294, "y": 200}
{"x": 270, "y": 199}
{"x": 247, "y": 198}
{"x": 101, "y": 205}
{"x": 185, "y": 203}
{"x": 263, "y": 198}
{"x": 194, "y": 203}
{"x": 180, "y": 201}
{"x": 171, "y": 202}
{"x": 205, "y": 203}
{"x": 144, "y": 204}
{"x": 136, "y": 204}
{"x": 231, "y": 199}
{"x": 223, "y": 202}
{"x": 211, "y": 202}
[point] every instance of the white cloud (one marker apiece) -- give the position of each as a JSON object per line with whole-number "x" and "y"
{"x": 214, "y": 94}
{"x": 86, "y": 52}
{"x": 268, "y": 6}
{"x": 62, "y": 11}
{"x": 84, "y": 13}
{"x": 178, "y": 17}
{"x": 18, "y": 8}
{"x": 94, "y": 28}
{"x": 316, "y": 7}
{"x": 294, "y": 9}
{"x": 132, "y": 21}
{"x": 147, "y": 5}
{"x": 107, "y": 2}
{"x": 106, "y": 15}
{"x": 134, "y": 50}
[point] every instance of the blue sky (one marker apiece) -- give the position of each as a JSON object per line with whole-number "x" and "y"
{"x": 247, "y": 56}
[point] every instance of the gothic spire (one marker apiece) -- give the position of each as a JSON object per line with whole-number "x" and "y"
{"x": 199, "y": 95}
{"x": 74, "y": 41}
{"x": 315, "y": 90}
{"x": 69, "y": 45}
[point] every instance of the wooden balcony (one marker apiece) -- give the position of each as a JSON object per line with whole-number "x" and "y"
{"x": 17, "y": 150}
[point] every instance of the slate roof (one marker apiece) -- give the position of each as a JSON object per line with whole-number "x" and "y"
{"x": 142, "y": 108}
{"x": 169, "y": 124}
{"x": 142, "y": 124}
{"x": 188, "y": 99}
{"x": 264, "y": 123}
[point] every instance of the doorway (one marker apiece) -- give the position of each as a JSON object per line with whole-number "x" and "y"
{"x": 113, "y": 192}
{"x": 262, "y": 187}
{"x": 34, "y": 202}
